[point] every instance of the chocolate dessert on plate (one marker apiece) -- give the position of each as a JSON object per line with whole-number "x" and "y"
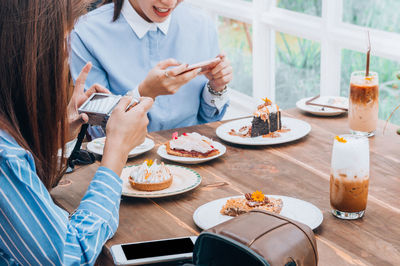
{"x": 266, "y": 119}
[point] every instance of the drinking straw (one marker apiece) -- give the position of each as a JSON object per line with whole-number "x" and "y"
{"x": 368, "y": 55}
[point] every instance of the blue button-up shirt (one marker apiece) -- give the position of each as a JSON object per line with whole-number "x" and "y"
{"x": 122, "y": 59}
{"x": 35, "y": 231}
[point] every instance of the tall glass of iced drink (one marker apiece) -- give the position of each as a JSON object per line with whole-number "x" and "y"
{"x": 349, "y": 176}
{"x": 363, "y": 105}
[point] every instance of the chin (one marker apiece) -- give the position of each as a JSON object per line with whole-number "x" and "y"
{"x": 159, "y": 20}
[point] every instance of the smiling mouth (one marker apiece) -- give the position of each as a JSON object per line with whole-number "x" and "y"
{"x": 162, "y": 12}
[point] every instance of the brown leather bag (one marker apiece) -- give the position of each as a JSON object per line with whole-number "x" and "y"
{"x": 261, "y": 235}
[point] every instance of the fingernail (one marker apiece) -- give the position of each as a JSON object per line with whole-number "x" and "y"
{"x": 88, "y": 65}
{"x": 199, "y": 70}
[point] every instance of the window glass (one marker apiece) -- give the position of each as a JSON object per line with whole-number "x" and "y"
{"x": 235, "y": 40}
{"x": 377, "y": 14}
{"x": 297, "y": 69}
{"x": 309, "y": 7}
{"x": 389, "y": 84}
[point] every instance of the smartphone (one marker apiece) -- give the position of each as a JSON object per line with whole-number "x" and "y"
{"x": 99, "y": 107}
{"x": 205, "y": 65}
{"x": 157, "y": 251}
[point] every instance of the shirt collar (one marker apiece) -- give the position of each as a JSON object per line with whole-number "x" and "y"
{"x": 138, "y": 24}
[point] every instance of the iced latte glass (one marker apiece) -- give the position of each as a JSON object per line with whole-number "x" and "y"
{"x": 363, "y": 103}
{"x": 349, "y": 176}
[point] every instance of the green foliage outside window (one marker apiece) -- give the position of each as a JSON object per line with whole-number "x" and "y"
{"x": 298, "y": 60}
{"x": 309, "y": 7}
{"x": 376, "y": 14}
{"x": 297, "y": 73}
{"x": 235, "y": 41}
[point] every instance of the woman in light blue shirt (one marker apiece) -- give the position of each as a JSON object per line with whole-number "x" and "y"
{"x": 38, "y": 116}
{"x": 131, "y": 43}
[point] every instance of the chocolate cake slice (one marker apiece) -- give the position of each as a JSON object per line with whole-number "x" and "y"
{"x": 267, "y": 119}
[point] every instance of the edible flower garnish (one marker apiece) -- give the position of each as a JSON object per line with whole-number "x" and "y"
{"x": 149, "y": 162}
{"x": 369, "y": 78}
{"x": 184, "y": 134}
{"x": 147, "y": 175}
{"x": 342, "y": 140}
{"x": 266, "y": 100}
{"x": 258, "y": 196}
{"x": 175, "y": 135}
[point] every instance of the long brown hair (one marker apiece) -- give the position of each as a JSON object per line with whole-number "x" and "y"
{"x": 34, "y": 84}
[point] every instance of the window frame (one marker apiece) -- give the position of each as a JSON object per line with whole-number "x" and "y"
{"x": 329, "y": 30}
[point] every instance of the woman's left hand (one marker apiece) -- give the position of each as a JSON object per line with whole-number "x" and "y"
{"x": 79, "y": 96}
{"x": 221, "y": 74}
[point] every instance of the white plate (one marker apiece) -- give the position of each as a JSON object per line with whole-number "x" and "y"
{"x": 97, "y": 146}
{"x": 207, "y": 215}
{"x": 298, "y": 129}
{"x": 185, "y": 179}
{"x": 324, "y": 111}
{"x": 189, "y": 160}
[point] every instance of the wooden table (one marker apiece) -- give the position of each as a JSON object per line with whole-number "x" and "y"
{"x": 299, "y": 169}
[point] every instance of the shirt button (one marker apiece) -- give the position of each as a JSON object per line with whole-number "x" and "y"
{"x": 213, "y": 101}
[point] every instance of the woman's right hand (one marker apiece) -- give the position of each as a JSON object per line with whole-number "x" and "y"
{"x": 163, "y": 81}
{"x": 125, "y": 131}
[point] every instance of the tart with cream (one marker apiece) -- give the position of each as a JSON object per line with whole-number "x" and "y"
{"x": 150, "y": 176}
{"x": 191, "y": 145}
{"x": 255, "y": 200}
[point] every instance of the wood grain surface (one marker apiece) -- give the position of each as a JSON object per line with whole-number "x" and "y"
{"x": 298, "y": 169}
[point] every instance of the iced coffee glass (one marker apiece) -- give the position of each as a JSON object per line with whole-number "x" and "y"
{"x": 349, "y": 176}
{"x": 363, "y": 103}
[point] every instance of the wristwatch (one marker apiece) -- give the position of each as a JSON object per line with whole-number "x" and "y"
{"x": 216, "y": 93}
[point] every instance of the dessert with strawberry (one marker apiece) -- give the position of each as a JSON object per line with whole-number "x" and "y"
{"x": 191, "y": 145}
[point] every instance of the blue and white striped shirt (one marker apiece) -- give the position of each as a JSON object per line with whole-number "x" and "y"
{"x": 33, "y": 230}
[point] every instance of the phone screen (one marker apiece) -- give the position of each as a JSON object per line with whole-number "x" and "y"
{"x": 101, "y": 103}
{"x": 206, "y": 65}
{"x": 158, "y": 248}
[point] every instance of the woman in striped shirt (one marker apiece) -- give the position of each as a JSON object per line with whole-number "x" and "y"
{"x": 38, "y": 115}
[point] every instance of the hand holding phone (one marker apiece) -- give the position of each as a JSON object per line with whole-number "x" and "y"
{"x": 165, "y": 78}
{"x": 125, "y": 131}
{"x": 164, "y": 250}
{"x": 221, "y": 75}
